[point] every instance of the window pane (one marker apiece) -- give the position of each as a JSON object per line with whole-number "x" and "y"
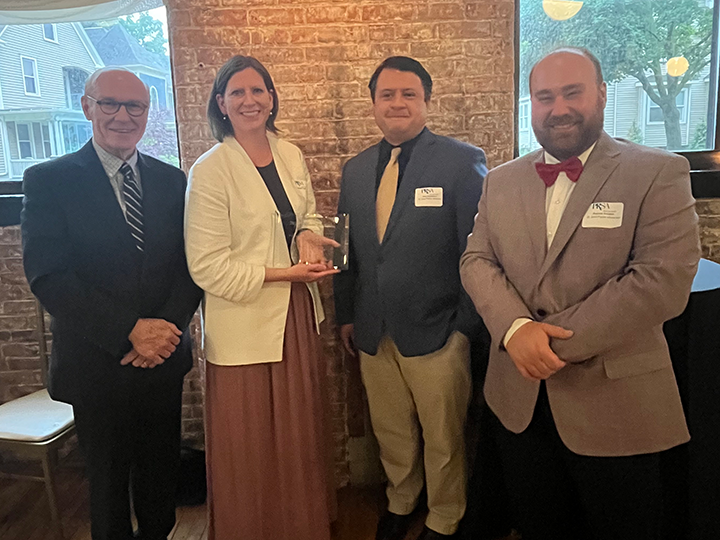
{"x": 69, "y": 137}
{"x": 25, "y": 150}
{"x": 663, "y": 48}
{"x": 23, "y": 132}
{"x": 75, "y": 86}
{"x": 656, "y": 114}
{"x": 137, "y": 42}
{"x": 30, "y": 87}
{"x": 28, "y": 67}
{"x": 49, "y": 31}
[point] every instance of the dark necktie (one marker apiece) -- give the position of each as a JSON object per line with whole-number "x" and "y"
{"x": 573, "y": 167}
{"x": 133, "y": 205}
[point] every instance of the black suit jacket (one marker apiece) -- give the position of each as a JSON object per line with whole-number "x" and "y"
{"x": 83, "y": 266}
{"x": 409, "y": 286}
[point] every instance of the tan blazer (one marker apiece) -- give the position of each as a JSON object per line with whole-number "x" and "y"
{"x": 614, "y": 287}
{"x": 233, "y": 230}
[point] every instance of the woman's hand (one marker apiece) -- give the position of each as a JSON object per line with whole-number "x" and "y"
{"x": 303, "y": 272}
{"x": 311, "y": 247}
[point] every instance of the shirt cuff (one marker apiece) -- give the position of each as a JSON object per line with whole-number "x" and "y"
{"x": 516, "y": 325}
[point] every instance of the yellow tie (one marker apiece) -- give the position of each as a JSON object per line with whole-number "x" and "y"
{"x": 386, "y": 193}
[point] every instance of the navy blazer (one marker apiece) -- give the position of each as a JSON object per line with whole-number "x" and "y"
{"x": 409, "y": 287}
{"x": 83, "y": 265}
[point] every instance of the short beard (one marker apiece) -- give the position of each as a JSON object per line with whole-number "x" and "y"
{"x": 590, "y": 132}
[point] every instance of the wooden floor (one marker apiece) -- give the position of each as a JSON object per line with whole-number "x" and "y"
{"x": 24, "y": 512}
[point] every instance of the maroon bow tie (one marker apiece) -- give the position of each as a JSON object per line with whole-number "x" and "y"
{"x": 573, "y": 167}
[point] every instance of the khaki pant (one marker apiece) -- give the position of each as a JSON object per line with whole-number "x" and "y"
{"x": 421, "y": 396}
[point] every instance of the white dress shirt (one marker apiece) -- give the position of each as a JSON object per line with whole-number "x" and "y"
{"x": 556, "y": 199}
{"x": 112, "y": 164}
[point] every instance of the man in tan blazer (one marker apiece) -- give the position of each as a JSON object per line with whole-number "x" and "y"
{"x": 579, "y": 253}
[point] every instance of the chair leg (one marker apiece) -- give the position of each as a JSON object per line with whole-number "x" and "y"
{"x": 50, "y": 489}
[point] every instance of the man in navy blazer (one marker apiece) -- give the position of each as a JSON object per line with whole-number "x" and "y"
{"x": 103, "y": 251}
{"x": 411, "y": 199}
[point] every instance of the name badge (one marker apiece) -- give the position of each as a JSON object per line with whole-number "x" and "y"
{"x": 603, "y": 215}
{"x": 429, "y": 196}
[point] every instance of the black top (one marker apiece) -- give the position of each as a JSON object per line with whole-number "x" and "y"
{"x": 272, "y": 180}
{"x": 403, "y": 158}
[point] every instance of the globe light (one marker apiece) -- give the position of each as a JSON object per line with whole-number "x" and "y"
{"x": 561, "y": 10}
{"x": 677, "y": 66}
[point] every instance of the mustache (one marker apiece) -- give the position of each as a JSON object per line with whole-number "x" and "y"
{"x": 553, "y": 121}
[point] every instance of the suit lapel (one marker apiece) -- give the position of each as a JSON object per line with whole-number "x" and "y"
{"x": 420, "y": 159}
{"x": 533, "y": 200}
{"x": 365, "y": 194}
{"x": 153, "y": 201}
{"x": 601, "y": 163}
{"x": 96, "y": 188}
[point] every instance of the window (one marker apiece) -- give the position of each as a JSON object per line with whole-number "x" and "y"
{"x": 41, "y": 133}
{"x": 153, "y": 98}
{"x": 75, "y": 135}
{"x": 30, "y": 78}
{"x": 655, "y": 114}
{"x": 524, "y": 115}
{"x": 664, "y": 48}
{"x": 50, "y": 32}
{"x": 74, "y": 86}
{"x": 33, "y": 140}
{"x": 34, "y": 129}
{"x": 24, "y": 141}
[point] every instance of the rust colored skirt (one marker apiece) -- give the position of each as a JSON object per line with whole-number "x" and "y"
{"x": 267, "y": 443}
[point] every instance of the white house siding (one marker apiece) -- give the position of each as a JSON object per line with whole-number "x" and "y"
{"x": 28, "y": 40}
{"x": 610, "y": 119}
{"x": 698, "y": 107}
{"x": 624, "y": 107}
{"x": 3, "y": 162}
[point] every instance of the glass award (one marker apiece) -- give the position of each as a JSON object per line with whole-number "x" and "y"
{"x": 337, "y": 228}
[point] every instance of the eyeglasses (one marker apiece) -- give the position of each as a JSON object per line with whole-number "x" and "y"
{"x": 110, "y": 106}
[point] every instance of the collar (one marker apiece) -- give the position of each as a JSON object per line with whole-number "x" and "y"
{"x": 111, "y": 163}
{"x": 406, "y": 146}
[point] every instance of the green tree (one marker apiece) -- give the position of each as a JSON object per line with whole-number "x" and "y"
{"x": 631, "y": 38}
{"x": 699, "y": 140}
{"x": 147, "y": 30}
{"x": 160, "y": 139}
{"x": 634, "y": 134}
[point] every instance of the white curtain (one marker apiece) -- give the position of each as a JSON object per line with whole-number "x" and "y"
{"x": 56, "y": 11}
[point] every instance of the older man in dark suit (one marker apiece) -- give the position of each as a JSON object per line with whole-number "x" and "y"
{"x": 411, "y": 199}
{"x": 103, "y": 251}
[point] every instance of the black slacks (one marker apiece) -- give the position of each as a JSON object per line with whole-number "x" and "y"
{"x": 130, "y": 436}
{"x": 559, "y": 495}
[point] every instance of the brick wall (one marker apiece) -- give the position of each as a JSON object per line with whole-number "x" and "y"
{"x": 709, "y": 212}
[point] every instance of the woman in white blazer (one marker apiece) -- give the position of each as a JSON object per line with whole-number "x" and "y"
{"x": 255, "y": 247}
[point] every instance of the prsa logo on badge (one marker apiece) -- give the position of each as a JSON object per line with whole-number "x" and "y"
{"x": 600, "y": 206}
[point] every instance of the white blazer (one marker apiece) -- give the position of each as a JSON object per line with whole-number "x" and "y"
{"x": 233, "y": 230}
